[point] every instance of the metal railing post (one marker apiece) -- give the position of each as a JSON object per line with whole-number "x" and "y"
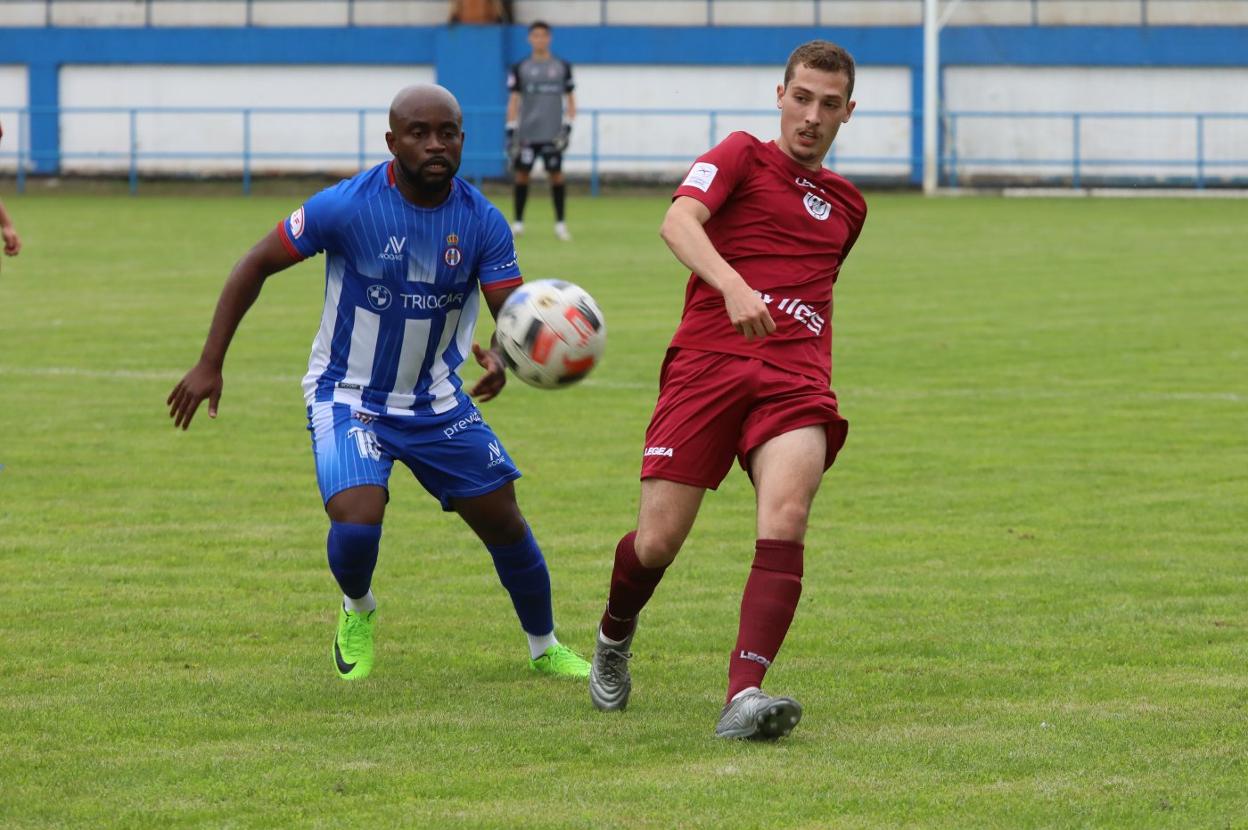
{"x": 1200, "y": 152}
{"x": 1075, "y": 179}
{"x": 134, "y": 152}
{"x": 362, "y": 157}
{"x": 246, "y": 152}
{"x": 953, "y": 148}
{"x": 714, "y": 129}
{"x": 23, "y": 118}
{"x": 593, "y": 155}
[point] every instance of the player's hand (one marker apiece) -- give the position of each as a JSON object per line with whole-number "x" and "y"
{"x": 495, "y": 377}
{"x": 748, "y": 313}
{"x": 203, "y": 381}
{"x": 12, "y": 243}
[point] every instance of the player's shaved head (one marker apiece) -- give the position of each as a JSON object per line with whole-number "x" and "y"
{"x": 426, "y": 137}
{"x": 411, "y": 100}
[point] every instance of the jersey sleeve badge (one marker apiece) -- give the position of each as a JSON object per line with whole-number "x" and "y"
{"x": 296, "y": 223}
{"x": 700, "y": 176}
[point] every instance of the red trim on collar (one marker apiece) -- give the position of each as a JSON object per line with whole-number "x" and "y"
{"x": 390, "y": 173}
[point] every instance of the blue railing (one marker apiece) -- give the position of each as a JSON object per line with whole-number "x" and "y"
{"x": 1193, "y": 170}
{"x": 592, "y": 12}
{"x": 356, "y": 143}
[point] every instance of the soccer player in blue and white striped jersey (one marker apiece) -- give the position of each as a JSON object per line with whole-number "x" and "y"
{"x": 407, "y": 244}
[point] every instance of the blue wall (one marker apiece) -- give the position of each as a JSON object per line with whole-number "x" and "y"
{"x": 471, "y": 60}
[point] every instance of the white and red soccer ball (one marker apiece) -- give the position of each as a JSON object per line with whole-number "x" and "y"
{"x": 551, "y": 333}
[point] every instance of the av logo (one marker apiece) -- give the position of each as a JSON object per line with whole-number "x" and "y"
{"x": 496, "y": 455}
{"x": 394, "y": 249}
{"x": 379, "y": 297}
{"x": 817, "y": 207}
{"x": 365, "y": 443}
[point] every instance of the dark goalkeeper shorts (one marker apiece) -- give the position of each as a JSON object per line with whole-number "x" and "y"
{"x": 552, "y": 159}
{"x": 715, "y": 407}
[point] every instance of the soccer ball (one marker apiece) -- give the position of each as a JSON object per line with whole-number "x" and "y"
{"x": 551, "y": 333}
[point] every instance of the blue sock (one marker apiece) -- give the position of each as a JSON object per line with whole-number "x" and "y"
{"x": 353, "y": 555}
{"x": 522, "y": 570}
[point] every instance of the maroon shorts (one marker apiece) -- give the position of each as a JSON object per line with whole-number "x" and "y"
{"x": 713, "y": 407}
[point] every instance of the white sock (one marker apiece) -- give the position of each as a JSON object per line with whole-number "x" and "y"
{"x": 605, "y": 639}
{"x": 538, "y": 643}
{"x": 744, "y": 691}
{"x": 363, "y": 605}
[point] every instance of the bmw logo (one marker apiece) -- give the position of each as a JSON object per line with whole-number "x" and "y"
{"x": 379, "y": 297}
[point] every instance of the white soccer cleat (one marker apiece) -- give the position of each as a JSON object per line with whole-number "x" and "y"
{"x": 758, "y": 716}
{"x": 562, "y": 233}
{"x": 609, "y": 681}
{"x": 517, "y": 228}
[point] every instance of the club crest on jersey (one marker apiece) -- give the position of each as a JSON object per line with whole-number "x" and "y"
{"x": 394, "y": 248}
{"x": 379, "y": 297}
{"x": 452, "y": 239}
{"x": 452, "y": 256}
{"x": 817, "y": 207}
{"x": 296, "y": 223}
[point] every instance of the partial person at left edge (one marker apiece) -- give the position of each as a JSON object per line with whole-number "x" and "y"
{"x": 407, "y": 244}
{"x": 12, "y": 242}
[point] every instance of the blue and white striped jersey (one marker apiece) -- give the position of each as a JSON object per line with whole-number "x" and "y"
{"x": 401, "y": 295}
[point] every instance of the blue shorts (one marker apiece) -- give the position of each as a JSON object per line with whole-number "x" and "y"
{"x": 457, "y": 456}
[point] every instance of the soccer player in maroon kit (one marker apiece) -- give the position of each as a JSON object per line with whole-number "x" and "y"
{"x": 764, "y": 228}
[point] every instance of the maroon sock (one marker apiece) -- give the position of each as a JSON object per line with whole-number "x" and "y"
{"x": 767, "y": 607}
{"x": 632, "y": 585}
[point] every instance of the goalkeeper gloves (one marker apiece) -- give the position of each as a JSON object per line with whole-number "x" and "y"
{"x": 561, "y": 140}
{"x": 512, "y": 144}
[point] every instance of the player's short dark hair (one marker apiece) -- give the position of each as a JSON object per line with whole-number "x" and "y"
{"x": 824, "y": 56}
{"x": 539, "y": 24}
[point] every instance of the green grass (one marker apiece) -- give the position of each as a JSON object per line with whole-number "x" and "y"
{"x": 1025, "y": 598}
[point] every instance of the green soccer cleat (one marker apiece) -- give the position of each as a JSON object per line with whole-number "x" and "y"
{"x": 353, "y": 644}
{"x": 561, "y": 661}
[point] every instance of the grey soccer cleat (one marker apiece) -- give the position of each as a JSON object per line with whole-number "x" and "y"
{"x": 758, "y": 716}
{"x": 609, "y": 681}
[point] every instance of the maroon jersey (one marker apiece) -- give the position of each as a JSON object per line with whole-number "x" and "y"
{"x": 786, "y": 230}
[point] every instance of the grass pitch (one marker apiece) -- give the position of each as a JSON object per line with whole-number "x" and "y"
{"x": 1025, "y": 598}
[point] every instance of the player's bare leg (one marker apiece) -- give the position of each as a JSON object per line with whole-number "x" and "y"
{"x": 496, "y": 519}
{"x": 558, "y": 196}
{"x": 667, "y": 513}
{"x": 520, "y": 196}
{"x": 354, "y": 536}
{"x": 787, "y": 471}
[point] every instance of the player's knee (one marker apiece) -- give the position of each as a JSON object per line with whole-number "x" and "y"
{"x": 364, "y": 505}
{"x": 784, "y": 520}
{"x": 656, "y": 550}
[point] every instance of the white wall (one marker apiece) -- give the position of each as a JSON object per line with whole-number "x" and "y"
{"x": 752, "y": 88}
{"x": 331, "y": 141}
{"x": 1066, "y": 89}
{"x": 13, "y": 97}
{"x": 622, "y": 12}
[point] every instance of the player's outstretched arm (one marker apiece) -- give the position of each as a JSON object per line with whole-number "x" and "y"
{"x": 683, "y": 232}
{"x": 204, "y": 381}
{"x": 492, "y": 382}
